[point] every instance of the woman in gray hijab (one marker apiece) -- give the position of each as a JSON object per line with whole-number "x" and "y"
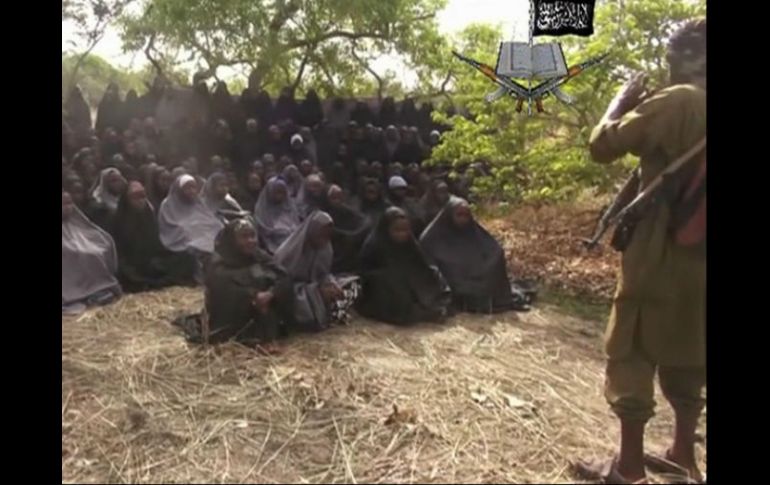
{"x": 88, "y": 261}
{"x": 311, "y": 195}
{"x": 184, "y": 221}
{"x": 108, "y": 189}
{"x": 276, "y": 214}
{"x": 216, "y": 196}
{"x": 319, "y": 298}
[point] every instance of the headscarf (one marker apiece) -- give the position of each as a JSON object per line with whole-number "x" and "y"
{"x": 211, "y": 201}
{"x": 310, "y": 110}
{"x": 275, "y": 222}
{"x": 136, "y": 231}
{"x": 227, "y": 251}
{"x": 307, "y": 202}
{"x": 101, "y": 194}
{"x": 300, "y": 259}
{"x": 293, "y": 179}
{"x": 185, "y": 225}
{"x": 472, "y": 261}
{"x": 89, "y": 260}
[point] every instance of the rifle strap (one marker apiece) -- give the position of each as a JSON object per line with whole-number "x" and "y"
{"x": 671, "y": 169}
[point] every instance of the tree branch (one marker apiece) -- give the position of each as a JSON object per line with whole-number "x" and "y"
{"x": 301, "y": 71}
{"x": 336, "y": 34}
{"x": 365, "y": 65}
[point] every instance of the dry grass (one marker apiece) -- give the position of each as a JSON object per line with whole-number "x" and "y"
{"x": 510, "y": 398}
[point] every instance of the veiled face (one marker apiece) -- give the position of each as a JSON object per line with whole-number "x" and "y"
{"x": 278, "y": 194}
{"x": 461, "y": 215}
{"x": 67, "y": 206}
{"x": 254, "y": 182}
{"x": 246, "y": 239}
{"x": 371, "y": 193}
{"x": 400, "y": 230}
{"x": 335, "y": 197}
{"x": 164, "y": 182}
{"x": 137, "y": 196}
{"x": 306, "y": 167}
{"x": 220, "y": 188}
{"x": 190, "y": 191}
{"x": 315, "y": 187}
{"x": 115, "y": 183}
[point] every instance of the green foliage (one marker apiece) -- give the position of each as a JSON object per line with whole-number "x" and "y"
{"x": 94, "y": 74}
{"x": 327, "y": 44}
{"x": 546, "y": 156}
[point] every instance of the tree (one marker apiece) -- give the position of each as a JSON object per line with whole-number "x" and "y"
{"x": 545, "y": 156}
{"x": 328, "y": 43}
{"x": 91, "y": 19}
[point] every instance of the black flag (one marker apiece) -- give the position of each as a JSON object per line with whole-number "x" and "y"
{"x": 562, "y": 17}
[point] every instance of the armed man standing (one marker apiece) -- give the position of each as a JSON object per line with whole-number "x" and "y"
{"x": 658, "y": 320}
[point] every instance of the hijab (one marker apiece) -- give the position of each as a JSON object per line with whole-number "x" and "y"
{"x": 210, "y": 200}
{"x": 275, "y": 222}
{"x": 186, "y": 225}
{"x": 101, "y": 193}
{"x": 299, "y": 258}
{"x": 88, "y": 258}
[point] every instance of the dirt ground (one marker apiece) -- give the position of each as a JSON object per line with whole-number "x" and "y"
{"x": 480, "y": 399}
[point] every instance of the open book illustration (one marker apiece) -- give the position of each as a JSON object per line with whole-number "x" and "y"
{"x": 541, "y": 61}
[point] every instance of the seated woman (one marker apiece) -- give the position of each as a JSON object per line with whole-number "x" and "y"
{"x": 311, "y": 195}
{"x": 350, "y": 230}
{"x": 371, "y": 202}
{"x": 185, "y": 224}
{"x": 216, "y": 195}
{"x": 110, "y": 186}
{"x": 247, "y": 192}
{"x": 399, "y": 286}
{"x": 319, "y": 298}
{"x": 398, "y": 194}
{"x": 143, "y": 262}
{"x": 433, "y": 201}
{"x": 276, "y": 215}
{"x": 247, "y": 295}
{"x": 470, "y": 259}
{"x": 105, "y": 196}
{"x": 88, "y": 261}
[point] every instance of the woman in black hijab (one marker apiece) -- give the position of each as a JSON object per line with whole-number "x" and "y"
{"x": 388, "y": 114}
{"x": 247, "y": 295}
{"x": 79, "y": 116}
{"x": 247, "y": 192}
{"x": 286, "y": 107}
{"x": 108, "y": 112}
{"x": 410, "y": 149}
{"x": 310, "y": 110}
{"x": 371, "y": 201}
{"x": 434, "y": 200}
{"x": 131, "y": 110}
{"x": 143, "y": 263}
{"x": 362, "y": 114}
{"x": 399, "y": 286}
{"x": 350, "y": 229}
{"x": 408, "y": 114}
{"x": 265, "y": 110}
{"x": 157, "y": 185}
{"x": 470, "y": 259}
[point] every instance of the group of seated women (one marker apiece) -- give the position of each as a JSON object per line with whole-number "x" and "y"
{"x": 299, "y": 262}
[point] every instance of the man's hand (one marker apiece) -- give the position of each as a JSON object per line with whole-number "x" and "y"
{"x": 630, "y": 95}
